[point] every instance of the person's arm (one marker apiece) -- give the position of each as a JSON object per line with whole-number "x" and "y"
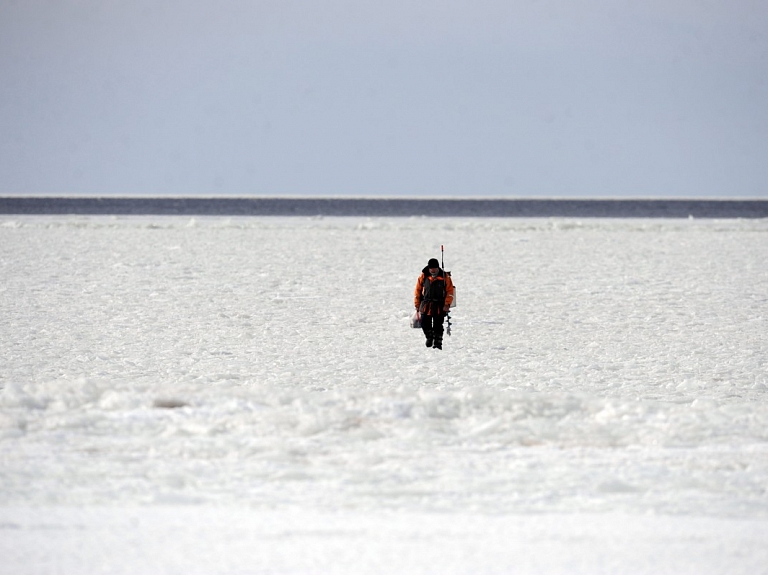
{"x": 417, "y": 291}
{"x": 448, "y": 292}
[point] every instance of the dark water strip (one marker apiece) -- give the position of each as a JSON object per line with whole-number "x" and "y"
{"x": 512, "y": 208}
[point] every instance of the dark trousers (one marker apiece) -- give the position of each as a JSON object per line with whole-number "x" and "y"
{"x": 432, "y": 326}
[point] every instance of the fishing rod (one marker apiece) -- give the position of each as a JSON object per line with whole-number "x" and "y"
{"x": 442, "y": 264}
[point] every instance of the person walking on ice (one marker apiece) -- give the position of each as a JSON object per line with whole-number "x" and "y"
{"x": 433, "y": 297}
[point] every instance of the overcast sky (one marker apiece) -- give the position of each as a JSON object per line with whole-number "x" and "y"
{"x": 518, "y": 98}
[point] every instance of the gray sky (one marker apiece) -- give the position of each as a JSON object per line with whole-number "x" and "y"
{"x": 519, "y": 98}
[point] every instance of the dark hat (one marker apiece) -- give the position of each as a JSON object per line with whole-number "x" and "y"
{"x": 433, "y": 263}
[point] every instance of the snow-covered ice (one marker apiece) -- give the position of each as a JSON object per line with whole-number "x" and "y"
{"x": 245, "y": 395}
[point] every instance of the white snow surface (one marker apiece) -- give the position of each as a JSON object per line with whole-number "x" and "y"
{"x": 245, "y": 395}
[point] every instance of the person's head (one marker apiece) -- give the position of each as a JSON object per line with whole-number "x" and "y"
{"x": 434, "y": 266}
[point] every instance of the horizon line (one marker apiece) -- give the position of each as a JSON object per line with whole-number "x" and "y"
{"x": 384, "y": 207}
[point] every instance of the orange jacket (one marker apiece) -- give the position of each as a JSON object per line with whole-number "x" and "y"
{"x": 418, "y": 293}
